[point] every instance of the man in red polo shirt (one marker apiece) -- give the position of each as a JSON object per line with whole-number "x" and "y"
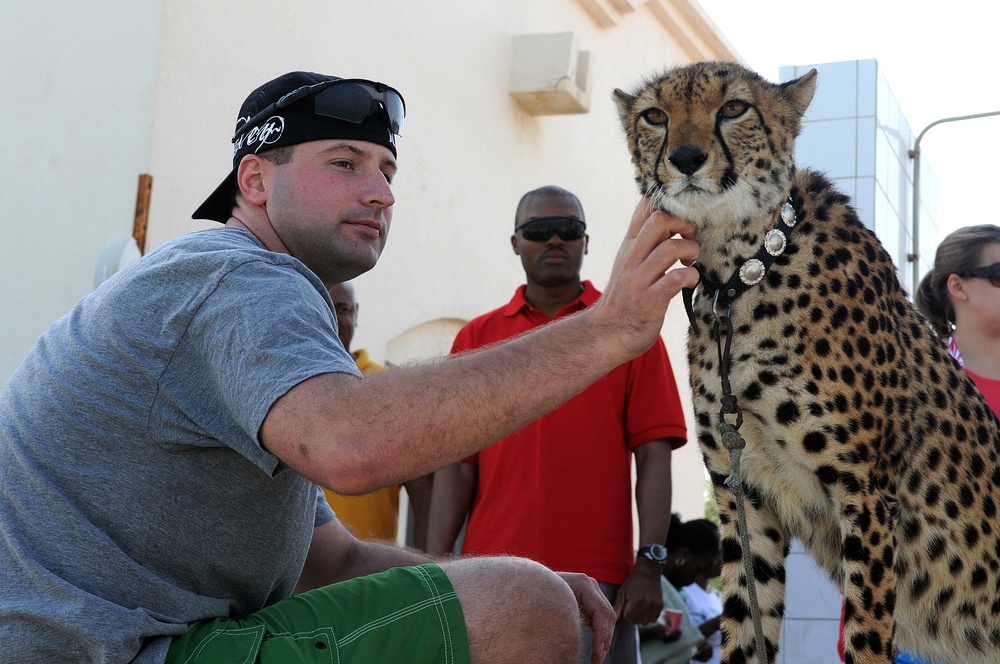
{"x": 559, "y": 490}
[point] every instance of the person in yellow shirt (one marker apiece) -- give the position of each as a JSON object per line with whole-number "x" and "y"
{"x": 373, "y": 516}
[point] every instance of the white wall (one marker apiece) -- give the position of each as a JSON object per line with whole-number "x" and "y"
{"x": 78, "y": 81}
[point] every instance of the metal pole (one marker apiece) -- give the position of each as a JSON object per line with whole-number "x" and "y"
{"x": 914, "y": 257}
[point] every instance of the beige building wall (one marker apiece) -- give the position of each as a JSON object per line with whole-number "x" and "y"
{"x": 77, "y": 84}
{"x": 159, "y": 93}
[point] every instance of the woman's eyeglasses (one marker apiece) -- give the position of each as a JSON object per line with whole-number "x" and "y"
{"x": 991, "y": 272}
{"x": 541, "y": 230}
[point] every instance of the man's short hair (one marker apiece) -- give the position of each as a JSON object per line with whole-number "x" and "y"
{"x": 547, "y": 190}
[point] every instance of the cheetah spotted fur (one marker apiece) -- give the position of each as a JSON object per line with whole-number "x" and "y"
{"x": 864, "y": 439}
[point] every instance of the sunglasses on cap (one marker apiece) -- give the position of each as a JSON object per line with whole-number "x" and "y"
{"x": 346, "y": 99}
{"x": 540, "y": 230}
{"x": 991, "y": 272}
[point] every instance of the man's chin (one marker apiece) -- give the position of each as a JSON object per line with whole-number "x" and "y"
{"x": 340, "y": 267}
{"x": 557, "y": 278}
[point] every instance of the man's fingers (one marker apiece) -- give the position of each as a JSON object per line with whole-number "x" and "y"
{"x": 601, "y": 643}
{"x": 639, "y": 216}
{"x": 645, "y": 278}
{"x": 675, "y": 250}
{"x": 596, "y": 611}
{"x": 603, "y": 629}
{"x": 681, "y": 277}
{"x": 657, "y": 246}
{"x": 646, "y": 215}
{"x": 671, "y": 225}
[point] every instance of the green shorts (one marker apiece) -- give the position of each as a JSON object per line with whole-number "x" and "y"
{"x": 407, "y": 614}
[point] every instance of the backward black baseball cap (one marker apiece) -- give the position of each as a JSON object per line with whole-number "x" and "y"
{"x": 296, "y": 108}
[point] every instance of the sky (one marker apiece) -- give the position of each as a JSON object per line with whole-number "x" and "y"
{"x": 940, "y": 60}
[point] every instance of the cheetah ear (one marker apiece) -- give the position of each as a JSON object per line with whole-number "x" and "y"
{"x": 800, "y": 91}
{"x": 624, "y": 103}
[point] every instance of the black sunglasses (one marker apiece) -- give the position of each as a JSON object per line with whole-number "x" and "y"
{"x": 540, "y": 230}
{"x": 991, "y": 272}
{"x": 347, "y": 99}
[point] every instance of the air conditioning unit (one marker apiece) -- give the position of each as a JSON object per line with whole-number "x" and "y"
{"x": 549, "y": 74}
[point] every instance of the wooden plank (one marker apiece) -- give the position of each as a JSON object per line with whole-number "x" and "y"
{"x": 145, "y": 190}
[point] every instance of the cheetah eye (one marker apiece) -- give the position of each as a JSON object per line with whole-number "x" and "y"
{"x": 733, "y": 109}
{"x": 654, "y": 116}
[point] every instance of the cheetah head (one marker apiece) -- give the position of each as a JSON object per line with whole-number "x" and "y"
{"x": 713, "y": 141}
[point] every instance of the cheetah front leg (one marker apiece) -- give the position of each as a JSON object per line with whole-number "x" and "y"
{"x": 769, "y": 544}
{"x": 869, "y": 581}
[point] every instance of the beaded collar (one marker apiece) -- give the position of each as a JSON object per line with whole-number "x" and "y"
{"x": 754, "y": 269}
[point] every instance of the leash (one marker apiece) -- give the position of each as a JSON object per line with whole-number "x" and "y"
{"x": 734, "y": 442}
{"x": 750, "y": 274}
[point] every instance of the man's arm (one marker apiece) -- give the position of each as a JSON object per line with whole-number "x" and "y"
{"x": 419, "y": 492}
{"x": 337, "y": 555}
{"x": 354, "y": 436}
{"x": 451, "y": 500}
{"x": 640, "y": 599}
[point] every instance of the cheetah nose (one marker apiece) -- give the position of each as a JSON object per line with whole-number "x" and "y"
{"x": 687, "y": 159}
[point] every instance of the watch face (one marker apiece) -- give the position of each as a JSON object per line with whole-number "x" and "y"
{"x": 655, "y": 552}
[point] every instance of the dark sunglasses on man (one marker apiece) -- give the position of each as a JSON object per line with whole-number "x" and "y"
{"x": 541, "y": 230}
{"x": 991, "y": 272}
{"x": 346, "y": 99}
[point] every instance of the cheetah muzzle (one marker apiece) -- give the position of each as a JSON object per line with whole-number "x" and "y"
{"x": 864, "y": 439}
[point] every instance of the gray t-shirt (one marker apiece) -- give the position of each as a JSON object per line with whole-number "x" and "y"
{"x": 135, "y": 496}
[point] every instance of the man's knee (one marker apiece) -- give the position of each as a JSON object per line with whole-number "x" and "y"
{"x": 515, "y": 610}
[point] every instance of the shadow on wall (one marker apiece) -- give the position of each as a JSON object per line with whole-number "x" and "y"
{"x": 427, "y": 340}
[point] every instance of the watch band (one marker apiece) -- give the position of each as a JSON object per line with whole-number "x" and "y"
{"x": 656, "y": 553}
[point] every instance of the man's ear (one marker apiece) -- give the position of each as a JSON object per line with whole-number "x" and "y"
{"x": 513, "y": 244}
{"x": 586, "y": 243}
{"x": 250, "y": 178}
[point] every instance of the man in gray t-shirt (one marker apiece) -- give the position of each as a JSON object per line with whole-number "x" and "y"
{"x": 161, "y": 446}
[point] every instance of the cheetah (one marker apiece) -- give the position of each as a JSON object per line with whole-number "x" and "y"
{"x": 863, "y": 438}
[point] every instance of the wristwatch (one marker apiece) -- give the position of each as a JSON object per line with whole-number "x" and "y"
{"x": 654, "y": 552}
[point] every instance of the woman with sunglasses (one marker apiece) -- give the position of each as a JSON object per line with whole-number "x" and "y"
{"x": 961, "y": 298}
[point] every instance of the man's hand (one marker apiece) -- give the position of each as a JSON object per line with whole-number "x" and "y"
{"x": 595, "y": 610}
{"x": 641, "y": 284}
{"x": 640, "y": 599}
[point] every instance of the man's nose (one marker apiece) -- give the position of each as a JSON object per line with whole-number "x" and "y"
{"x": 379, "y": 192}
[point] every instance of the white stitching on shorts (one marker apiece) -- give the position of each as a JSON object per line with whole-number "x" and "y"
{"x": 205, "y": 641}
{"x": 442, "y": 618}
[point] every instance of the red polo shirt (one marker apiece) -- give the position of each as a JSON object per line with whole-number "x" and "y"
{"x": 559, "y": 490}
